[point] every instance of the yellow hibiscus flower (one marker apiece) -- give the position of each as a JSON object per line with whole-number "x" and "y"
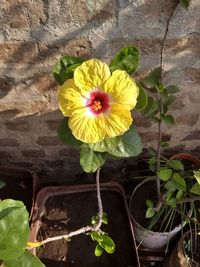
{"x": 97, "y": 102}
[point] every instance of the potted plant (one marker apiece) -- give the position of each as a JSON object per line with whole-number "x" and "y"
{"x": 187, "y": 251}
{"x": 96, "y": 101}
{"x": 161, "y": 217}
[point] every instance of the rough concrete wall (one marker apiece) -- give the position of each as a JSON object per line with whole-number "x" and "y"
{"x": 35, "y": 33}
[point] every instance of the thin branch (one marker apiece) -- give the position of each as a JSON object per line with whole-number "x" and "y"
{"x": 161, "y": 106}
{"x": 165, "y": 35}
{"x": 83, "y": 230}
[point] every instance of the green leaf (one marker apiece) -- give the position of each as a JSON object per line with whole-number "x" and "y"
{"x": 164, "y": 144}
{"x": 180, "y": 182}
{"x": 96, "y": 236}
{"x": 168, "y": 119}
{"x": 150, "y": 212}
{"x": 179, "y": 194}
{"x": 149, "y": 203}
{"x": 176, "y": 165}
{"x": 2, "y": 184}
{"x": 197, "y": 176}
{"x": 104, "y": 218}
{"x": 126, "y": 59}
{"x": 152, "y": 107}
{"x": 105, "y": 145}
{"x": 90, "y": 160}
{"x": 172, "y": 89}
{"x": 64, "y": 68}
{"x": 98, "y": 251}
{"x": 164, "y": 174}
{"x": 142, "y": 99}
{"x": 25, "y": 260}
{"x": 65, "y": 135}
{"x": 129, "y": 145}
{"x": 14, "y": 229}
{"x": 185, "y": 3}
{"x": 195, "y": 189}
{"x": 160, "y": 88}
{"x": 172, "y": 202}
{"x": 153, "y": 79}
{"x": 170, "y": 186}
{"x": 108, "y": 244}
{"x": 170, "y": 99}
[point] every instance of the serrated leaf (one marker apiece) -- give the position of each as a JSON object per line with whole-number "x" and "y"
{"x": 153, "y": 79}
{"x": 64, "y": 68}
{"x": 90, "y": 160}
{"x": 149, "y": 203}
{"x": 126, "y": 59}
{"x": 164, "y": 174}
{"x": 65, "y": 135}
{"x": 176, "y": 165}
{"x": 150, "y": 212}
{"x": 195, "y": 189}
{"x": 25, "y": 260}
{"x": 105, "y": 145}
{"x": 130, "y": 145}
{"x": 142, "y": 99}
{"x": 172, "y": 89}
{"x": 180, "y": 182}
{"x": 98, "y": 250}
{"x": 14, "y": 229}
{"x": 169, "y": 119}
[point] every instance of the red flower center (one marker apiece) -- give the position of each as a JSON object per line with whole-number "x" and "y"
{"x": 98, "y": 102}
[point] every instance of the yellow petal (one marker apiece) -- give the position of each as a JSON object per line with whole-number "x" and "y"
{"x": 117, "y": 121}
{"x": 90, "y": 75}
{"x": 87, "y": 127}
{"x": 123, "y": 89}
{"x": 70, "y": 98}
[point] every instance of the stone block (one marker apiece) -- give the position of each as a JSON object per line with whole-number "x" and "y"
{"x": 69, "y": 152}
{"x": 33, "y": 153}
{"x": 9, "y": 142}
{"x": 48, "y": 141}
{"x": 21, "y": 126}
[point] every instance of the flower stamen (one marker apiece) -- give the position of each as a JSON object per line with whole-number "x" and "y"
{"x": 97, "y": 105}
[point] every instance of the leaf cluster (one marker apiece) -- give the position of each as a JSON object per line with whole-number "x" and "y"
{"x": 158, "y": 98}
{"x": 14, "y": 233}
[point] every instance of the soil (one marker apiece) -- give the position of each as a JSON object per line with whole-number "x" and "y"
{"x": 69, "y": 212}
{"x": 19, "y": 186}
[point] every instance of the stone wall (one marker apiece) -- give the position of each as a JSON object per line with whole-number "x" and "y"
{"x": 35, "y": 33}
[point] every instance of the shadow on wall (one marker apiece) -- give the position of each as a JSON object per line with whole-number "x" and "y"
{"x": 36, "y": 56}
